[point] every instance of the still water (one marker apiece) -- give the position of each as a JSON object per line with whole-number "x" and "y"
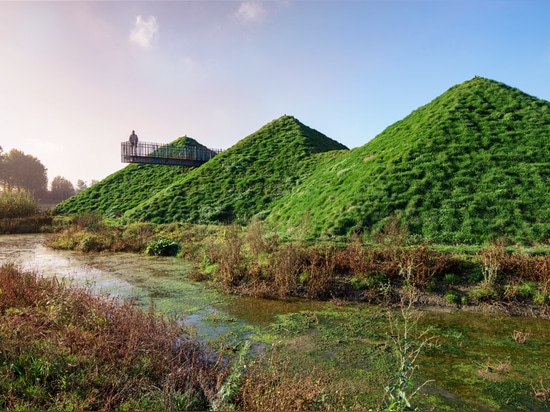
{"x": 475, "y": 364}
{"x": 162, "y": 280}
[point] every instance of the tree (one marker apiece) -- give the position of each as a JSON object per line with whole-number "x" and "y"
{"x": 23, "y": 172}
{"x": 61, "y": 189}
{"x": 81, "y": 185}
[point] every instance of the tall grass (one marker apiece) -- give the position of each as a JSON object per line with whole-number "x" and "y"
{"x": 254, "y": 261}
{"x": 65, "y": 348}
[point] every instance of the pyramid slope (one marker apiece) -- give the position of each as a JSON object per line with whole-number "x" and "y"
{"x": 125, "y": 189}
{"x": 242, "y": 181}
{"x": 473, "y": 164}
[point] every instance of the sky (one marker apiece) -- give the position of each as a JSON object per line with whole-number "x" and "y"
{"x": 76, "y": 77}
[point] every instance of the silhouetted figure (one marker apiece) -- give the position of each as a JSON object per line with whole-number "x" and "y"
{"x": 133, "y": 142}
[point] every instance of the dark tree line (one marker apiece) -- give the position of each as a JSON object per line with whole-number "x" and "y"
{"x": 20, "y": 172}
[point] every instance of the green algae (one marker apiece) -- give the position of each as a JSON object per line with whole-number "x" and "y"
{"x": 476, "y": 360}
{"x": 479, "y": 359}
{"x": 473, "y": 362}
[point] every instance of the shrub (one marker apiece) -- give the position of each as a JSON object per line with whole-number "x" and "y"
{"x": 162, "y": 247}
{"x": 91, "y": 243}
{"x": 542, "y": 298}
{"x": 89, "y": 221}
{"x": 451, "y": 296}
{"x": 451, "y": 278}
{"x": 17, "y": 204}
{"x": 67, "y": 348}
{"x": 372, "y": 280}
{"x": 482, "y": 294}
{"x": 270, "y": 385}
{"x": 526, "y": 290}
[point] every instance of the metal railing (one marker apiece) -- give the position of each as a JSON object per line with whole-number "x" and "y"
{"x": 157, "y": 153}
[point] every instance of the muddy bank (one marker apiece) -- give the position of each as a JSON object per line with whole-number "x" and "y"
{"x": 437, "y": 303}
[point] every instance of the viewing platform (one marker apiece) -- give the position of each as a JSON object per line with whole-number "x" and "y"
{"x": 165, "y": 154}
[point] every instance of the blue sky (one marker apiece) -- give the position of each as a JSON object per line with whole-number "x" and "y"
{"x": 76, "y": 77}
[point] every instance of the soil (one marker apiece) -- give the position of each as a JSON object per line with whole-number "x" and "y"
{"x": 437, "y": 302}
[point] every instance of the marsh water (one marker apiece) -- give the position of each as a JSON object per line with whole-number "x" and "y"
{"x": 146, "y": 279}
{"x": 477, "y": 358}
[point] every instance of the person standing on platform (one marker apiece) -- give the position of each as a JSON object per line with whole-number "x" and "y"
{"x": 133, "y": 142}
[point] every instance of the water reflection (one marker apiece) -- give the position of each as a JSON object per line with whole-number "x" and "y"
{"x": 144, "y": 278}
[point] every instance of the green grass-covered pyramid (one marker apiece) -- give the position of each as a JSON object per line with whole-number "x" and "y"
{"x": 127, "y": 188}
{"x": 237, "y": 184}
{"x": 471, "y": 165}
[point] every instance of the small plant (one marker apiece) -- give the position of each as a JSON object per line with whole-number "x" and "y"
{"x": 451, "y": 279}
{"x": 542, "y": 298}
{"x": 230, "y": 388}
{"x": 432, "y": 285}
{"x": 406, "y": 349}
{"x": 475, "y": 276}
{"x": 386, "y": 290}
{"x": 482, "y": 294}
{"x": 451, "y": 296}
{"x": 362, "y": 282}
{"x": 162, "y": 247}
{"x": 541, "y": 392}
{"x": 521, "y": 336}
{"x": 527, "y": 290}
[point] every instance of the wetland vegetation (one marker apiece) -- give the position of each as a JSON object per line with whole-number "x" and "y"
{"x": 424, "y": 251}
{"x": 452, "y": 303}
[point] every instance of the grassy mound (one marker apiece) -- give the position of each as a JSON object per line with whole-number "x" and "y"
{"x": 242, "y": 181}
{"x": 469, "y": 166}
{"x": 237, "y": 184}
{"x": 127, "y": 188}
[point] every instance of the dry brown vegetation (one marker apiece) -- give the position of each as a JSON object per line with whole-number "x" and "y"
{"x": 66, "y": 348}
{"x": 253, "y": 261}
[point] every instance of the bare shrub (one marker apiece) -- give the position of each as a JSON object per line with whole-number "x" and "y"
{"x": 394, "y": 233}
{"x": 319, "y": 273}
{"x": 492, "y": 258}
{"x": 230, "y": 259}
{"x": 541, "y": 273}
{"x": 270, "y": 386}
{"x": 258, "y": 240}
{"x": 288, "y": 263}
{"x": 89, "y": 221}
{"x": 134, "y": 237}
{"x": 424, "y": 264}
{"x": 356, "y": 257}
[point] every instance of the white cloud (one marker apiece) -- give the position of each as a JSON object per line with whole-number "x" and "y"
{"x": 251, "y": 11}
{"x": 144, "y": 31}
